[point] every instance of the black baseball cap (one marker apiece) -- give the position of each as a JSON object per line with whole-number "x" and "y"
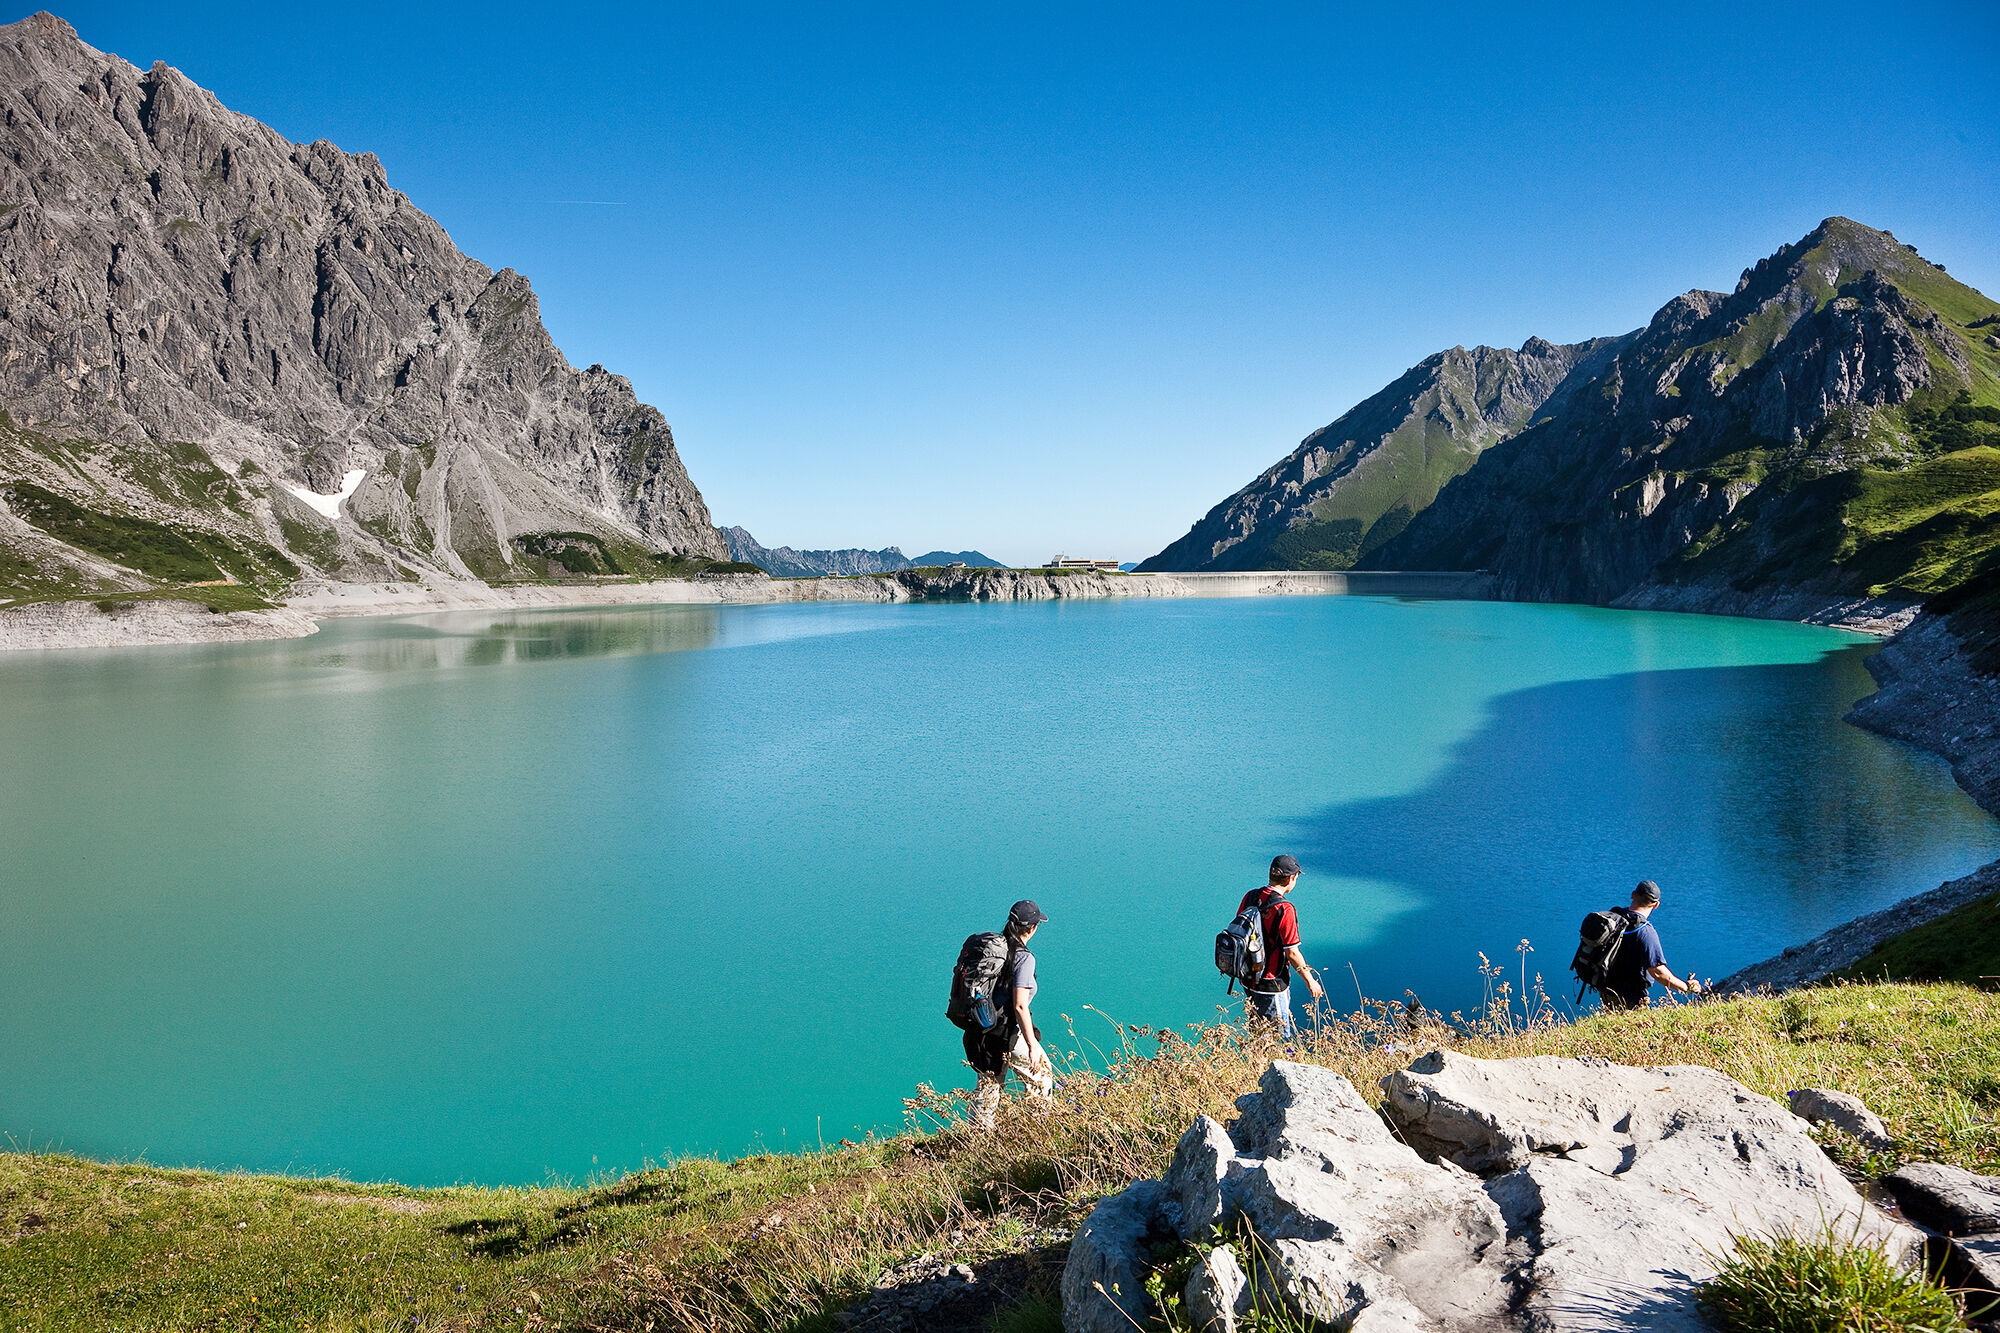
{"x": 1287, "y": 866}
{"x": 1647, "y": 892}
{"x": 1026, "y": 913}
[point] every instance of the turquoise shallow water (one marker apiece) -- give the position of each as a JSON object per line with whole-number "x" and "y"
{"x": 493, "y": 897}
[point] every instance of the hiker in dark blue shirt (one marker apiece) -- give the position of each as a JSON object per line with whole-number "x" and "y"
{"x": 1640, "y": 961}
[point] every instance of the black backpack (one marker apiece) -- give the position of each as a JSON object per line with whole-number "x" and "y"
{"x": 1600, "y": 935}
{"x": 1240, "y": 953}
{"x": 981, "y": 960}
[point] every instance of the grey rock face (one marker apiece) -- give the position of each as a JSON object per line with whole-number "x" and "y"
{"x": 1947, "y": 1198}
{"x": 1387, "y": 457}
{"x": 1549, "y": 1195}
{"x": 1628, "y": 1179}
{"x": 1103, "y": 1284}
{"x": 1843, "y": 1110}
{"x": 1933, "y": 693}
{"x": 1199, "y": 1176}
{"x": 1961, "y": 1205}
{"x": 197, "y": 316}
{"x": 1218, "y": 1294}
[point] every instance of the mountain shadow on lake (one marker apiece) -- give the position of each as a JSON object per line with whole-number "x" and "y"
{"x": 1763, "y": 817}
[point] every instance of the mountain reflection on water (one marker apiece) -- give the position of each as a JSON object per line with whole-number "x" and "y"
{"x": 482, "y": 639}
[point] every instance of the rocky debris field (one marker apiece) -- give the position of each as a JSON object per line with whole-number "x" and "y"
{"x": 1540, "y": 1193}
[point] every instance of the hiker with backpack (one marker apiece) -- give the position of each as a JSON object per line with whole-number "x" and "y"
{"x": 991, "y": 990}
{"x": 1620, "y": 955}
{"x": 1261, "y": 947}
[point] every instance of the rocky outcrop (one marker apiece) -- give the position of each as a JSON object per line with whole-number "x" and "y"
{"x": 1882, "y": 616}
{"x": 1730, "y": 451}
{"x": 1850, "y": 942}
{"x": 1544, "y": 1194}
{"x": 211, "y": 329}
{"x": 1350, "y": 486}
{"x": 1108, "y": 1259}
{"x": 1933, "y": 692}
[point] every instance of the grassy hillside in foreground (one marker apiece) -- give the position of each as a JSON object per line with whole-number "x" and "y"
{"x": 783, "y": 1242}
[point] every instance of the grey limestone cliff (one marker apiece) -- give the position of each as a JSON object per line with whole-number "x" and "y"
{"x": 200, "y": 319}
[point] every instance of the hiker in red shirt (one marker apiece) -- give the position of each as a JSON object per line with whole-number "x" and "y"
{"x": 1270, "y": 996}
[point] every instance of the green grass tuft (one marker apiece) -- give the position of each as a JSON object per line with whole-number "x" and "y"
{"x": 1823, "y": 1284}
{"x": 1037, "y": 1314}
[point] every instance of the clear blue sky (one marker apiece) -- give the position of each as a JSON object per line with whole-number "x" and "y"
{"x": 1057, "y": 277}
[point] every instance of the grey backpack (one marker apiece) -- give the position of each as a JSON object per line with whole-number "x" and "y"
{"x": 981, "y": 960}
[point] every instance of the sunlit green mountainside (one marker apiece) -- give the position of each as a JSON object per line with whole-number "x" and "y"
{"x": 1833, "y": 426}
{"x": 1353, "y": 485}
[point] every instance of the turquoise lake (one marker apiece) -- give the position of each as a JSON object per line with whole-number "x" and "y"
{"x": 497, "y": 897}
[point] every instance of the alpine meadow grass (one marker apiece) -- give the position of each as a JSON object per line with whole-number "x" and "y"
{"x": 785, "y": 1241}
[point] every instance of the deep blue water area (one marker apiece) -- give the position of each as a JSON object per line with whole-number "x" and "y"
{"x": 493, "y": 897}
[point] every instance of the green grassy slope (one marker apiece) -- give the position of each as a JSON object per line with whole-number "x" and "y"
{"x": 782, "y": 1242}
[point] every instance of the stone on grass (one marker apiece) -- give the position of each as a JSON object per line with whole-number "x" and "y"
{"x": 1560, "y": 1196}
{"x": 1961, "y": 1205}
{"x": 1627, "y": 1182}
{"x": 1950, "y": 1199}
{"x": 1844, "y": 1111}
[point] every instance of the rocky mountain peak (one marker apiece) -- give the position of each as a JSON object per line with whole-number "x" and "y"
{"x": 1783, "y": 435}
{"x": 188, "y": 293}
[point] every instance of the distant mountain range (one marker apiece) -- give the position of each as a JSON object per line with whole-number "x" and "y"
{"x": 784, "y": 562}
{"x": 225, "y": 356}
{"x": 1831, "y": 428}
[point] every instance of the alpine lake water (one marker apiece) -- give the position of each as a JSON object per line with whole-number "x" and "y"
{"x": 506, "y": 897}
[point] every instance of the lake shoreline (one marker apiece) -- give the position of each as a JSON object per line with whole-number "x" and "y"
{"x": 110, "y": 621}
{"x": 1930, "y": 694}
